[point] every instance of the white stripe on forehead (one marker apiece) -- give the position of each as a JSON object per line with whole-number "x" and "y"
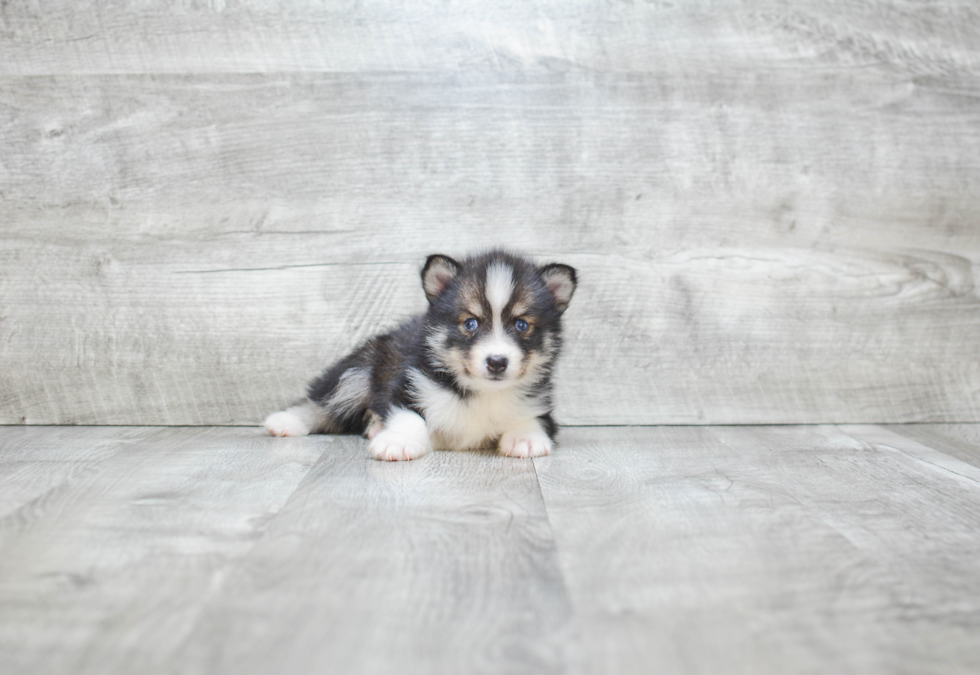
{"x": 500, "y": 286}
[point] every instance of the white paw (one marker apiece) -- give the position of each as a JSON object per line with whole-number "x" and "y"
{"x": 525, "y": 443}
{"x": 285, "y": 424}
{"x": 392, "y": 446}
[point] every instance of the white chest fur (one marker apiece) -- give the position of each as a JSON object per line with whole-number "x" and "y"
{"x": 456, "y": 423}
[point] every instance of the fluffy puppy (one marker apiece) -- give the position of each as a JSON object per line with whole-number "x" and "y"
{"x": 474, "y": 370}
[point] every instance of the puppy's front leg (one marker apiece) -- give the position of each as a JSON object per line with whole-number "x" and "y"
{"x": 404, "y": 436}
{"x": 527, "y": 439}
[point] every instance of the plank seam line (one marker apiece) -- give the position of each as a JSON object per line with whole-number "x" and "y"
{"x": 290, "y": 267}
{"x": 971, "y": 473}
{"x": 554, "y": 541}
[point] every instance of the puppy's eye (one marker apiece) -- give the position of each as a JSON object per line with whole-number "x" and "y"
{"x": 471, "y": 324}
{"x": 520, "y": 325}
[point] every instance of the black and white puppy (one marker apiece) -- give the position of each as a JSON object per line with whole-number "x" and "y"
{"x": 474, "y": 370}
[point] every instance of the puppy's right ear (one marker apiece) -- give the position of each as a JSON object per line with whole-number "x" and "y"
{"x": 436, "y": 275}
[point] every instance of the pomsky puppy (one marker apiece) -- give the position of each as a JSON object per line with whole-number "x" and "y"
{"x": 474, "y": 370}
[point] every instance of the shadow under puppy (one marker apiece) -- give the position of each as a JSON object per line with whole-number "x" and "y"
{"x": 475, "y": 369}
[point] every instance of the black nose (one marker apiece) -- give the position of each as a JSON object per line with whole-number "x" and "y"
{"x": 496, "y": 364}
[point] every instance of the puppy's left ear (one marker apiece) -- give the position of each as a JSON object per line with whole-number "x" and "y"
{"x": 437, "y": 272}
{"x": 561, "y": 281}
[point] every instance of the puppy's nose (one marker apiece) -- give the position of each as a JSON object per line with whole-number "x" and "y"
{"x": 496, "y": 364}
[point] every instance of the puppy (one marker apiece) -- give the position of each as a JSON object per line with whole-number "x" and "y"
{"x": 474, "y": 370}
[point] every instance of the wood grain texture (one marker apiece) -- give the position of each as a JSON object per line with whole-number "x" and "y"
{"x": 961, "y": 441}
{"x": 795, "y": 549}
{"x": 93, "y": 36}
{"x": 107, "y": 571}
{"x": 36, "y": 460}
{"x": 765, "y": 549}
{"x": 442, "y": 565}
{"x": 773, "y": 209}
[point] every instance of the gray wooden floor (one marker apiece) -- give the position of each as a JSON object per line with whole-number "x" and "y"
{"x": 843, "y": 549}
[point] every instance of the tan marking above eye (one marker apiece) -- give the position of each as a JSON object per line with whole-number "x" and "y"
{"x": 470, "y": 295}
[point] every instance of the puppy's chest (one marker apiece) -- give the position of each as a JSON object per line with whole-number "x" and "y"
{"x": 457, "y": 423}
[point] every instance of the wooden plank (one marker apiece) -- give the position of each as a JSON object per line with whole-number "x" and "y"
{"x": 36, "y": 460}
{"x": 681, "y": 549}
{"x": 258, "y": 36}
{"x": 107, "y": 572}
{"x": 766, "y": 549}
{"x": 961, "y": 441}
{"x": 230, "y": 235}
{"x": 933, "y": 456}
{"x": 441, "y": 565}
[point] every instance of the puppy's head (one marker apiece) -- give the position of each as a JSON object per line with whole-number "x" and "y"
{"x": 494, "y": 320}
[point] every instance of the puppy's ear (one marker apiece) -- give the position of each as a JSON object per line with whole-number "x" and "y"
{"x": 436, "y": 274}
{"x": 561, "y": 281}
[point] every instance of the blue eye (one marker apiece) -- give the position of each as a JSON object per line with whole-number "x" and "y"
{"x": 471, "y": 324}
{"x": 520, "y": 325}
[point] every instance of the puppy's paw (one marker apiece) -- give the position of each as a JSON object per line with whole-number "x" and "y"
{"x": 285, "y": 423}
{"x": 391, "y": 446}
{"x": 525, "y": 443}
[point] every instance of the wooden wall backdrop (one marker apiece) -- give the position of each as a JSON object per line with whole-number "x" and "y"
{"x": 775, "y": 207}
